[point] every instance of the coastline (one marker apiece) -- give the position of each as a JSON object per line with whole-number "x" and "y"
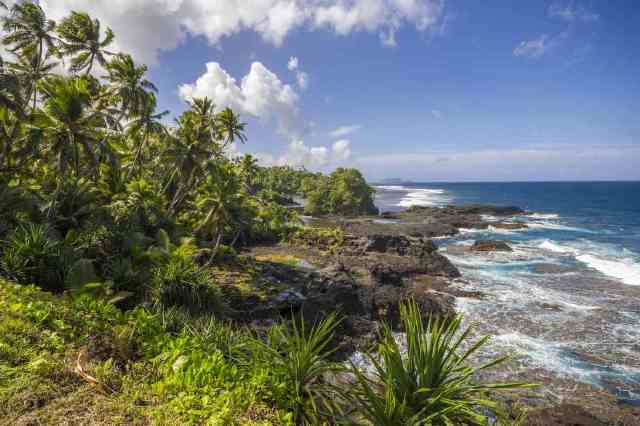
{"x": 386, "y": 259}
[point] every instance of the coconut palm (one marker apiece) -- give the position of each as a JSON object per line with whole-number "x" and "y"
{"x": 11, "y": 95}
{"x": 148, "y": 123}
{"x": 30, "y": 37}
{"x": 29, "y": 31}
{"x": 81, "y": 39}
{"x": 229, "y": 127}
{"x": 221, "y": 195}
{"x": 129, "y": 85}
{"x": 72, "y": 127}
{"x": 29, "y": 71}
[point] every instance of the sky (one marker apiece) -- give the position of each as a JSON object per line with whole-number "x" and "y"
{"x": 424, "y": 90}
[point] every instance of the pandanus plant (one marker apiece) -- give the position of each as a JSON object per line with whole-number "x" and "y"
{"x": 432, "y": 383}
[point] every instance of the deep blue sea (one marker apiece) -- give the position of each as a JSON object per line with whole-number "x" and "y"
{"x": 566, "y": 302}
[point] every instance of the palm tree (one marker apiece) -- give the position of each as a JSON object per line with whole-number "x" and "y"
{"x": 29, "y": 31}
{"x": 219, "y": 199}
{"x": 29, "y": 36}
{"x": 81, "y": 39}
{"x": 11, "y": 96}
{"x": 230, "y": 127}
{"x": 145, "y": 125}
{"x": 129, "y": 85}
{"x": 72, "y": 127}
{"x": 30, "y": 70}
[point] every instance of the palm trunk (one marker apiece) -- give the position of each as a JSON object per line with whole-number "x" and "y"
{"x": 215, "y": 248}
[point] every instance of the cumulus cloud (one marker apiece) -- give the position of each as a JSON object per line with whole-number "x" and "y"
{"x": 299, "y": 154}
{"x": 145, "y": 27}
{"x": 260, "y": 94}
{"x": 572, "y": 11}
{"x": 344, "y": 131}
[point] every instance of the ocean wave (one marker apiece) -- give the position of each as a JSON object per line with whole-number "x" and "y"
{"x": 623, "y": 269}
{"x": 600, "y": 257}
{"x": 543, "y": 216}
{"x": 490, "y": 230}
{"x": 424, "y": 198}
{"x": 557, "y": 227}
{"x": 556, "y": 248}
{"x": 391, "y": 187}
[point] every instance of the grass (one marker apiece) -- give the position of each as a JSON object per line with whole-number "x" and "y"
{"x": 78, "y": 360}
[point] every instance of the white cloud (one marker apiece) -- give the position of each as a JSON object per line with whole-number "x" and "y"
{"x": 341, "y": 150}
{"x": 293, "y": 63}
{"x": 302, "y": 78}
{"x": 344, "y": 131}
{"x": 533, "y": 48}
{"x": 437, "y": 114}
{"x": 572, "y": 12}
{"x": 145, "y": 27}
{"x": 298, "y": 154}
{"x": 260, "y": 94}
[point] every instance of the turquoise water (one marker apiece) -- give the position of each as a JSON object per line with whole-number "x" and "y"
{"x": 566, "y": 302}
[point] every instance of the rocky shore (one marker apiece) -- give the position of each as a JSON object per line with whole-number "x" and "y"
{"x": 367, "y": 266}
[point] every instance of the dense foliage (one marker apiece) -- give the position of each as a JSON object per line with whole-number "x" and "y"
{"x": 119, "y": 219}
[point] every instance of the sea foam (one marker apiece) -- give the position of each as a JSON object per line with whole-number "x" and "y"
{"x": 624, "y": 269}
{"x": 600, "y": 258}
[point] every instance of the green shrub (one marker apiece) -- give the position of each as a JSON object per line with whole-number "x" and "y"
{"x": 432, "y": 383}
{"x": 32, "y": 256}
{"x": 182, "y": 283}
{"x": 344, "y": 192}
{"x": 298, "y": 362}
{"x": 322, "y": 238}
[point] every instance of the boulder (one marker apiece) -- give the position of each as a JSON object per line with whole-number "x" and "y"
{"x": 387, "y": 300}
{"x": 491, "y": 245}
{"x": 390, "y": 269}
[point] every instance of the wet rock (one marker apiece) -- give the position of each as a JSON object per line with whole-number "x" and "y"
{"x": 562, "y": 415}
{"x": 551, "y": 268}
{"x": 491, "y": 245}
{"x": 289, "y": 299}
{"x": 511, "y": 225}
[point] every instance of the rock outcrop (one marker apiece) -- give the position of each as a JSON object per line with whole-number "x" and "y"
{"x": 491, "y": 245}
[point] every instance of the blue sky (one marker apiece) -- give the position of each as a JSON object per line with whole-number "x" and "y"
{"x": 469, "y": 90}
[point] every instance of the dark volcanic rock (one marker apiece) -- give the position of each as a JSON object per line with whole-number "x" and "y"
{"x": 388, "y": 269}
{"x": 387, "y": 300}
{"x": 491, "y": 245}
{"x": 511, "y": 225}
{"x": 562, "y": 415}
{"x": 400, "y": 244}
{"x": 552, "y": 268}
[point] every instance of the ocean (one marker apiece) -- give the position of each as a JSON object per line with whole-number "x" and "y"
{"x": 565, "y": 304}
